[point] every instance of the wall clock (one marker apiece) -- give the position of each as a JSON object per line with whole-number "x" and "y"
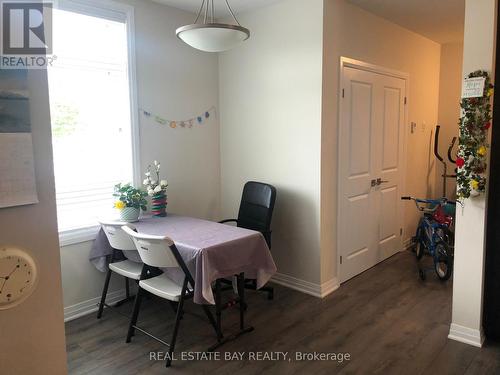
{"x": 18, "y": 276}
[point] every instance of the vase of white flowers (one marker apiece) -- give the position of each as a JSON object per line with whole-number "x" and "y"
{"x": 157, "y": 190}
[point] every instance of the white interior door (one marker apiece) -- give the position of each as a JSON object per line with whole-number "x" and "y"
{"x": 371, "y": 150}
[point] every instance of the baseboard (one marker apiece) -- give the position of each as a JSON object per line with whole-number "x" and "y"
{"x": 329, "y": 287}
{"x": 407, "y": 244}
{"x": 90, "y": 306}
{"x": 313, "y": 289}
{"x": 466, "y": 335}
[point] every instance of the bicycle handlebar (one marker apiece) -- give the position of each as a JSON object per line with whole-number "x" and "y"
{"x": 436, "y": 202}
{"x": 431, "y": 201}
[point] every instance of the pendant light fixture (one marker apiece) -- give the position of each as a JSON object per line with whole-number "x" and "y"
{"x": 211, "y": 36}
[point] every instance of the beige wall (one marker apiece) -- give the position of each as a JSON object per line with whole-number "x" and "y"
{"x": 270, "y": 97}
{"x": 32, "y": 334}
{"x": 352, "y": 32}
{"x": 172, "y": 80}
{"x": 450, "y": 88}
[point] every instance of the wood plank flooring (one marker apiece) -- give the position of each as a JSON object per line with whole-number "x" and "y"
{"x": 386, "y": 319}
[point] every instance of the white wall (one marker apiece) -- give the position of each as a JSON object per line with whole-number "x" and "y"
{"x": 450, "y": 88}
{"x": 470, "y": 230}
{"x": 32, "y": 334}
{"x": 175, "y": 81}
{"x": 354, "y": 33}
{"x": 270, "y": 97}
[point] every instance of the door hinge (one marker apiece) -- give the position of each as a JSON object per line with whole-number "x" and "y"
{"x": 341, "y": 259}
{"x": 406, "y": 100}
{"x": 343, "y": 93}
{"x": 400, "y": 231}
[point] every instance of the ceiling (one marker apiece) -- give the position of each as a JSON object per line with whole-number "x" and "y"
{"x": 439, "y": 20}
{"x": 238, "y": 6}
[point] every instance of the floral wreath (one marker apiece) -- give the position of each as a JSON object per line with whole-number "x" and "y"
{"x": 473, "y": 148}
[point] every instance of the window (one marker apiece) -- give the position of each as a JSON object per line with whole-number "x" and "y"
{"x": 91, "y": 111}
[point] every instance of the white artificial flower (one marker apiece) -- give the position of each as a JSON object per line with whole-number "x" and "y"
{"x": 164, "y": 183}
{"x": 153, "y": 182}
{"x": 157, "y": 189}
{"x": 150, "y": 192}
{"x": 148, "y": 173}
{"x": 156, "y": 163}
{"x": 145, "y": 182}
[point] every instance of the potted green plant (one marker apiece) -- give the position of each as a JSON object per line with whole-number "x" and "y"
{"x": 130, "y": 202}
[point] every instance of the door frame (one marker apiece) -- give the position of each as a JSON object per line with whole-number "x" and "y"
{"x": 346, "y": 62}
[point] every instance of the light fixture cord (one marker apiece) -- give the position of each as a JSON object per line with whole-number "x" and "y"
{"x": 232, "y": 13}
{"x": 199, "y": 12}
{"x": 206, "y": 11}
{"x": 209, "y": 7}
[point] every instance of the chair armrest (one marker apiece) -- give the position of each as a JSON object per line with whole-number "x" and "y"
{"x": 228, "y": 221}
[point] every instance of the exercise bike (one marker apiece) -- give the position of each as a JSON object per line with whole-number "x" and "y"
{"x": 434, "y": 235}
{"x": 445, "y": 174}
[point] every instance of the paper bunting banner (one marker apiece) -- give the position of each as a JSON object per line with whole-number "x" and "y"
{"x": 174, "y": 124}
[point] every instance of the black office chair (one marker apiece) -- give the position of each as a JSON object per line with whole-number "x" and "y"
{"x": 256, "y": 211}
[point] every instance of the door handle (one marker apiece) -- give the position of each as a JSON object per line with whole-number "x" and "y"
{"x": 373, "y": 183}
{"x": 380, "y": 181}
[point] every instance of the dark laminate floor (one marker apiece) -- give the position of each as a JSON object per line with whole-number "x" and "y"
{"x": 389, "y": 322}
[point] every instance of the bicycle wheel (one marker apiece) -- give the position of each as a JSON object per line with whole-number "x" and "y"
{"x": 443, "y": 261}
{"x": 419, "y": 245}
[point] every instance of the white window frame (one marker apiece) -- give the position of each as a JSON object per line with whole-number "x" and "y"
{"x": 115, "y": 11}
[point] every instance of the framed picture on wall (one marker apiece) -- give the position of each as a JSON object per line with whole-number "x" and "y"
{"x": 17, "y": 172}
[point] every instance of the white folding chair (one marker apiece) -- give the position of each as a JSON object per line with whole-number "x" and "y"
{"x": 119, "y": 241}
{"x": 161, "y": 252}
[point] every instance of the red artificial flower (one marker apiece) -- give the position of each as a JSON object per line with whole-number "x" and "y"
{"x": 460, "y": 162}
{"x": 487, "y": 126}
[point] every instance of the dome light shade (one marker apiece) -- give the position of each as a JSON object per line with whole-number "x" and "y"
{"x": 212, "y": 36}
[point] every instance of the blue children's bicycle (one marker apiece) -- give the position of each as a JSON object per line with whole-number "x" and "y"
{"x": 434, "y": 235}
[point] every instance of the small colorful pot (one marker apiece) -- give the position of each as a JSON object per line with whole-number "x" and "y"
{"x": 159, "y": 204}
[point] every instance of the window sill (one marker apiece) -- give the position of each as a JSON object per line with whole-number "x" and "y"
{"x": 79, "y": 235}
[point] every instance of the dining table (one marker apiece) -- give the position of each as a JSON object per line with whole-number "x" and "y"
{"x": 212, "y": 252}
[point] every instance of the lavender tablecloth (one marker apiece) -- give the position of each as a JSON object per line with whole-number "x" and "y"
{"x": 210, "y": 250}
